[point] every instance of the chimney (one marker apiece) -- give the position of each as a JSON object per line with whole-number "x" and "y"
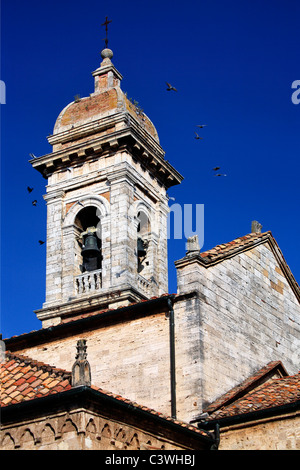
{"x": 192, "y": 245}
{"x": 2, "y": 351}
{"x": 256, "y": 227}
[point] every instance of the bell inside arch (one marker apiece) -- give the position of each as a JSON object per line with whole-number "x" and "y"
{"x": 141, "y": 248}
{"x": 90, "y": 248}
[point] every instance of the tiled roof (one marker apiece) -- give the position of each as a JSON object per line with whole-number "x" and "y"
{"x": 151, "y": 411}
{"x": 230, "y": 248}
{"x": 24, "y": 379}
{"x": 271, "y": 370}
{"x": 81, "y": 316}
{"x": 274, "y": 393}
{"x": 269, "y": 394}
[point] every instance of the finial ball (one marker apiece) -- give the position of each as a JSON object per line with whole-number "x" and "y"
{"x": 107, "y": 53}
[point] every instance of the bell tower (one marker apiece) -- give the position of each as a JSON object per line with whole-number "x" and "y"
{"x": 107, "y": 203}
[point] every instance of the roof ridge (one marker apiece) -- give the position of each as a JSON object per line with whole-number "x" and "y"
{"x": 152, "y": 411}
{"x": 89, "y": 314}
{"x": 285, "y": 377}
{"x": 234, "y": 242}
{"x": 245, "y": 386}
{"x": 270, "y": 394}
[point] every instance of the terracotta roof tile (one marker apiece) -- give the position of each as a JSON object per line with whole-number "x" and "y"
{"x": 34, "y": 385}
{"x": 256, "y": 394}
{"x": 23, "y": 379}
{"x": 229, "y": 248}
{"x": 274, "y": 393}
{"x": 272, "y": 369}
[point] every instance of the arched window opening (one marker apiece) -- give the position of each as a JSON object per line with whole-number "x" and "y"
{"x": 143, "y": 231}
{"x": 89, "y": 240}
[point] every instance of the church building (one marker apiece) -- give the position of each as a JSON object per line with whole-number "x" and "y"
{"x": 119, "y": 362}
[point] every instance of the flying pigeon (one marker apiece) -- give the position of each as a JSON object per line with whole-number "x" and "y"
{"x": 220, "y": 174}
{"x": 216, "y": 168}
{"x": 32, "y": 155}
{"x": 34, "y": 203}
{"x": 41, "y": 242}
{"x": 170, "y": 87}
{"x": 197, "y": 136}
{"x": 201, "y": 125}
{"x": 29, "y": 189}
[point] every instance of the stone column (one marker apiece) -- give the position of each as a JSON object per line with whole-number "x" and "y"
{"x": 123, "y": 230}
{"x": 54, "y": 263}
{"x": 70, "y": 261}
{"x": 161, "y": 265}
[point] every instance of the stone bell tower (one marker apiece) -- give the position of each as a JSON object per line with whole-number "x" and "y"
{"x": 107, "y": 205}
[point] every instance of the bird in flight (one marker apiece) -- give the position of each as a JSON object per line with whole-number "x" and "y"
{"x": 34, "y": 203}
{"x": 197, "y": 136}
{"x": 41, "y": 242}
{"x": 216, "y": 168}
{"x": 201, "y": 125}
{"x": 29, "y": 189}
{"x": 170, "y": 87}
{"x": 220, "y": 174}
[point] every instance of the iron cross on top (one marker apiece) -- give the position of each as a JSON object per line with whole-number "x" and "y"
{"x": 106, "y": 23}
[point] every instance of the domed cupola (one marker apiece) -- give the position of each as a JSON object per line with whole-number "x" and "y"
{"x": 107, "y": 100}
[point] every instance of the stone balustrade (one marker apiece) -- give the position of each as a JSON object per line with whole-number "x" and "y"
{"x": 88, "y": 282}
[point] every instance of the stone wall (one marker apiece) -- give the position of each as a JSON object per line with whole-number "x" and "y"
{"x": 188, "y": 358}
{"x": 279, "y": 434}
{"x": 130, "y": 358}
{"x": 247, "y": 316}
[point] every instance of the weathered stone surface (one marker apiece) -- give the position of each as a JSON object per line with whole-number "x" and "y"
{"x": 247, "y": 316}
{"x": 281, "y": 433}
{"x": 82, "y": 430}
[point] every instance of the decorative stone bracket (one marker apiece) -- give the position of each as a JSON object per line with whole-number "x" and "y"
{"x": 81, "y": 371}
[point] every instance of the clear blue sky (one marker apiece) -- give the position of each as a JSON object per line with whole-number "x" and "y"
{"x": 233, "y": 63}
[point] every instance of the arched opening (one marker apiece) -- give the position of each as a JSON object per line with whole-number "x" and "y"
{"x": 88, "y": 224}
{"x": 143, "y": 233}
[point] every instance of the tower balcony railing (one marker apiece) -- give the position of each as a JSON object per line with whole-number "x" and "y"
{"x": 88, "y": 282}
{"x": 91, "y": 281}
